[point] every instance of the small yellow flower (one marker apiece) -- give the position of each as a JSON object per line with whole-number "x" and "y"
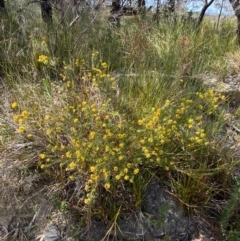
{"x": 77, "y": 63}
{"x": 20, "y": 121}
{"x": 42, "y": 166}
{"x": 42, "y": 155}
{"x": 24, "y": 114}
{"x": 43, "y": 59}
{"x": 107, "y": 185}
{"x": 200, "y": 95}
{"x": 75, "y": 120}
{"x": 16, "y": 118}
{"x": 148, "y": 155}
{"x": 92, "y": 135}
{"x": 71, "y": 177}
{"x": 126, "y": 177}
{"x": 47, "y": 117}
{"x": 68, "y": 84}
{"x": 14, "y": 105}
{"x": 104, "y": 65}
{"x": 136, "y": 171}
{"x": 78, "y": 153}
{"x": 63, "y": 77}
{"x": 129, "y": 165}
{"x": 21, "y": 129}
{"x": 72, "y": 165}
{"x": 97, "y": 118}
{"x": 142, "y": 141}
{"x": 48, "y": 132}
{"x": 87, "y": 201}
{"x": 150, "y": 140}
{"x": 121, "y": 145}
{"x": 68, "y": 154}
{"x": 120, "y": 158}
{"x": 118, "y": 177}
{"x": 167, "y": 102}
{"x": 29, "y": 135}
{"x": 190, "y": 121}
{"x": 58, "y": 129}
{"x": 223, "y": 97}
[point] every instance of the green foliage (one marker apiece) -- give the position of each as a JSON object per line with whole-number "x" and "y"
{"x": 162, "y": 213}
{"x": 230, "y": 224}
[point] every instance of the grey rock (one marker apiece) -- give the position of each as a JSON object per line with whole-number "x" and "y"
{"x": 161, "y": 217}
{"x": 168, "y": 217}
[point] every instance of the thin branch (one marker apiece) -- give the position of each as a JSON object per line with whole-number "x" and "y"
{"x": 84, "y": 31}
{"x": 204, "y": 9}
{"x": 74, "y": 21}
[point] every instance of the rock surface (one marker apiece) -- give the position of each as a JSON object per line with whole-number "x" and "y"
{"x": 159, "y": 218}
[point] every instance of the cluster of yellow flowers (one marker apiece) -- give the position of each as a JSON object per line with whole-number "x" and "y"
{"x": 80, "y": 63}
{"x": 211, "y": 99}
{"x": 99, "y": 76}
{"x": 21, "y": 120}
{"x": 44, "y": 59}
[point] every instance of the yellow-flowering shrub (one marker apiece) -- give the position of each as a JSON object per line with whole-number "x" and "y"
{"x": 86, "y": 137}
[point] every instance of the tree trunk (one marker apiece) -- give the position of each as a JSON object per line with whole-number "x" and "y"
{"x": 141, "y": 3}
{"x": 115, "y": 13}
{"x": 219, "y": 15}
{"x": 203, "y": 11}
{"x": 142, "y": 6}
{"x": 2, "y": 5}
{"x": 116, "y": 6}
{"x": 171, "y": 5}
{"x": 236, "y": 8}
{"x": 156, "y": 16}
{"x": 46, "y": 11}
